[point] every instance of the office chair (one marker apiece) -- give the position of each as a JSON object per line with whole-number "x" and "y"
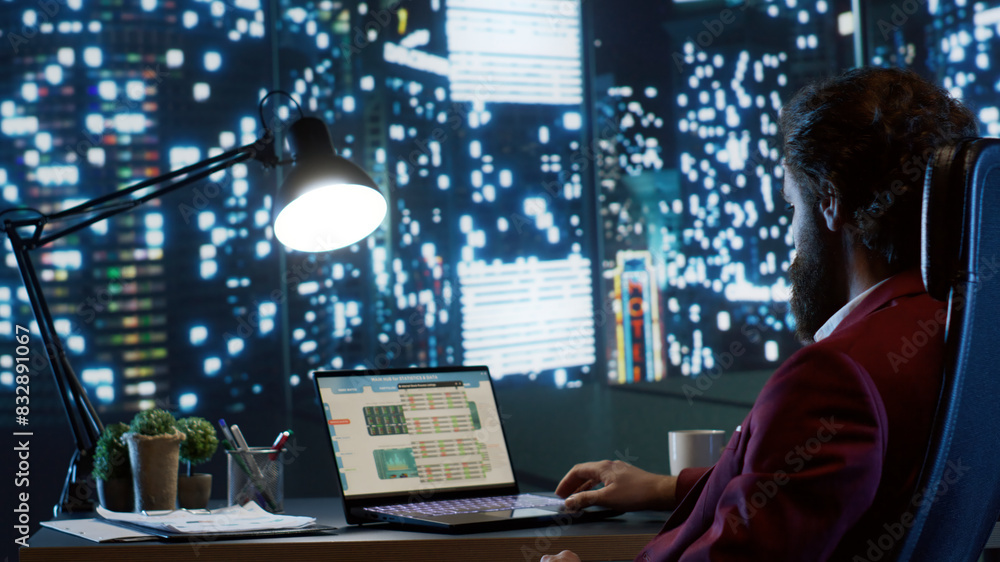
{"x": 960, "y": 479}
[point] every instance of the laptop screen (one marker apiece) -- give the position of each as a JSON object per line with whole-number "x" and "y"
{"x": 414, "y": 430}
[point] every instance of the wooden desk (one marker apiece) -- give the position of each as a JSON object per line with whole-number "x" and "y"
{"x": 619, "y": 538}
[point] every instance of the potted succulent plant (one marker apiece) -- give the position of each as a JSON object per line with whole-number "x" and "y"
{"x": 194, "y": 490}
{"x": 112, "y": 469}
{"x": 153, "y": 446}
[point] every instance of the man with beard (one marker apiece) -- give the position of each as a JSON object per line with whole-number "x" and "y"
{"x": 828, "y": 458}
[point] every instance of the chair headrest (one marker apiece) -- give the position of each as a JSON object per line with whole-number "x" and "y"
{"x": 943, "y": 219}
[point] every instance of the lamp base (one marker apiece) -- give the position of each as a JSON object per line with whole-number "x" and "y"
{"x": 80, "y": 497}
{"x": 79, "y": 488}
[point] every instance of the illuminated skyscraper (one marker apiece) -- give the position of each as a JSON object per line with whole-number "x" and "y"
{"x": 473, "y": 141}
{"x": 964, "y": 40}
{"x": 98, "y": 98}
{"x": 712, "y": 215}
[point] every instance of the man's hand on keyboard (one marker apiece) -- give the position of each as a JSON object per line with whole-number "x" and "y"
{"x": 625, "y": 487}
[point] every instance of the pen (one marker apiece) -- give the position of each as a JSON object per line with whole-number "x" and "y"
{"x": 225, "y": 430}
{"x": 238, "y": 458}
{"x": 281, "y": 437}
{"x": 242, "y": 444}
{"x": 279, "y": 443}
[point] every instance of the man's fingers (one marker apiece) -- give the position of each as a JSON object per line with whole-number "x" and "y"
{"x": 584, "y": 499}
{"x": 581, "y": 477}
{"x": 585, "y": 486}
{"x": 577, "y": 478}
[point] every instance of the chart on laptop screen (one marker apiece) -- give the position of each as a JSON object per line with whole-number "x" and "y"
{"x": 405, "y": 432}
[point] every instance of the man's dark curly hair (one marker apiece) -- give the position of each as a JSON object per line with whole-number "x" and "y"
{"x": 865, "y": 137}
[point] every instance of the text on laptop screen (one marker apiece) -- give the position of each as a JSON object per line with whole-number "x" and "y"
{"x": 397, "y": 433}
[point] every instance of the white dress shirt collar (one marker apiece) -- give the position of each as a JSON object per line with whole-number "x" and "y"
{"x": 827, "y": 328}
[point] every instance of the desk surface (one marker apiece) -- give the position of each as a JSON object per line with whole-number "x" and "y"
{"x": 619, "y": 538}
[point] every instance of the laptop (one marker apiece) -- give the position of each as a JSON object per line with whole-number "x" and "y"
{"x": 425, "y": 448}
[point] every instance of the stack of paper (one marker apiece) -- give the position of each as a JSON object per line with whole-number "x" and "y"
{"x": 98, "y": 530}
{"x": 245, "y": 518}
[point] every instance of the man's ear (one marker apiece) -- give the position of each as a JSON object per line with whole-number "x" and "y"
{"x": 829, "y": 209}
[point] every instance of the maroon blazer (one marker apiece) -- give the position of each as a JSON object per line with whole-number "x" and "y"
{"x": 825, "y": 464}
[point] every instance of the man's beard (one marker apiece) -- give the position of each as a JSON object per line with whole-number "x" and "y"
{"x": 813, "y": 276}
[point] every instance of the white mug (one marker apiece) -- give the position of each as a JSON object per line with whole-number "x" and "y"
{"x": 695, "y": 447}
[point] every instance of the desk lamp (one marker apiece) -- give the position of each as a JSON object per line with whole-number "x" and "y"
{"x": 326, "y": 203}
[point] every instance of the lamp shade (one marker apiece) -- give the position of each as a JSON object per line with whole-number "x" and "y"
{"x": 327, "y": 202}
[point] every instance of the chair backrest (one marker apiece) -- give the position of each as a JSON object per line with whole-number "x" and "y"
{"x": 959, "y": 488}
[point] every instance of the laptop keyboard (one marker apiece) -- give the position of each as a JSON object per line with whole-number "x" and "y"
{"x": 469, "y": 505}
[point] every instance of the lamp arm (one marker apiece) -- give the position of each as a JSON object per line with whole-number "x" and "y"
{"x": 83, "y": 419}
{"x": 82, "y": 416}
{"x": 126, "y": 205}
{"x": 249, "y": 150}
{"x": 80, "y": 412}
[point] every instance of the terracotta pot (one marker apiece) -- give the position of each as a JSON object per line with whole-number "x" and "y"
{"x": 155, "y": 460}
{"x": 116, "y": 494}
{"x": 193, "y": 492}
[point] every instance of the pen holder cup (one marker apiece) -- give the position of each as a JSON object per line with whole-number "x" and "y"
{"x": 254, "y": 476}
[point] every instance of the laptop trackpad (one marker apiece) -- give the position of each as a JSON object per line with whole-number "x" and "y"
{"x": 482, "y": 516}
{"x": 521, "y": 513}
